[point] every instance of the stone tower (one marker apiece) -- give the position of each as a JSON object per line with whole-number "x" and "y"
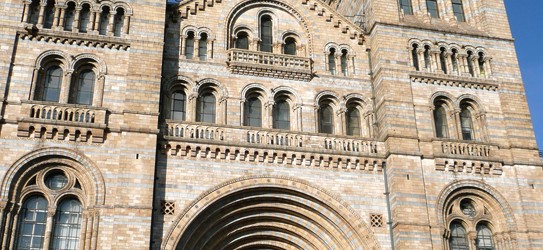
{"x": 264, "y": 124}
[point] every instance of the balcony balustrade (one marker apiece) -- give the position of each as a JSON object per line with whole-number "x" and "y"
{"x": 267, "y": 64}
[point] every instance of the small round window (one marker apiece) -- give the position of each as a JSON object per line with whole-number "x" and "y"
{"x": 56, "y": 180}
{"x": 467, "y": 207}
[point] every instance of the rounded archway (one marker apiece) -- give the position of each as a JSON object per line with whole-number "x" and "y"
{"x": 270, "y": 213}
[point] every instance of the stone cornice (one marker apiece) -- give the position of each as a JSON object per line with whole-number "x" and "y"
{"x": 79, "y": 39}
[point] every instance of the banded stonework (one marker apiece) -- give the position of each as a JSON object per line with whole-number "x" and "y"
{"x": 264, "y": 124}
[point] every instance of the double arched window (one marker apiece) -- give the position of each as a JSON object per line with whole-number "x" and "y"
{"x": 34, "y": 215}
{"x": 196, "y": 45}
{"x": 54, "y": 84}
{"x": 338, "y": 58}
{"x": 461, "y": 124}
{"x": 471, "y": 214}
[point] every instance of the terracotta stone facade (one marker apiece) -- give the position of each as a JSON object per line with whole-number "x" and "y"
{"x": 265, "y": 124}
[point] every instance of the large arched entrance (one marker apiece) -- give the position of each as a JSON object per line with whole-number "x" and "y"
{"x": 269, "y": 213}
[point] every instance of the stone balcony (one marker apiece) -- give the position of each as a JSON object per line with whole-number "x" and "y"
{"x": 467, "y": 156}
{"x": 61, "y": 121}
{"x": 258, "y": 63}
{"x": 269, "y": 145}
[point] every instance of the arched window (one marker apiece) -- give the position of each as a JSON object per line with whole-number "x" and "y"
{"x": 178, "y": 106}
{"x": 266, "y": 37}
{"x": 202, "y": 47}
{"x": 326, "y": 118}
{"x": 431, "y": 5}
{"x": 290, "y": 46}
{"x": 242, "y": 40}
{"x": 344, "y": 63}
{"x": 406, "y": 7}
{"x": 205, "y": 111}
{"x": 189, "y": 45}
{"x": 104, "y": 21}
{"x": 69, "y": 17}
{"x": 443, "y": 60}
{"x": 484, "y": 238}
{"x": 427, "y": 58}
{"x": 353, "y": 121}
{"x": 415, "y": 55}
{"x": 67, "y": 230}
{"x": 458, "y": 10}
{"x": 440, "y": 121}
{"x": 281, "y": 115}
{"x": 458, "y": 239}
{"x": 253, "y": 112}
{"x": 34, "y": 12}
{"x": 466, "y": 123}
{"x": 83, "y": 89}
{"x": 332, "y": 61}
{"x": 470, "y": 63}
{"x": 49, "y": 88}
{"x": 32, "y": 221}
{"x": 84, "y": 17}
{"x": 454, "y": 60}
{"x": 482, "y": 65}
{"x": 118, "y": 22}
{"x": 49, "y": 14}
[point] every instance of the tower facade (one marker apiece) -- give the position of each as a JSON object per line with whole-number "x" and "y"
{"x": 252, "y": 124}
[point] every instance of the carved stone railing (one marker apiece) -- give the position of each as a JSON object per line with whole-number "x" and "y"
{"x": 275, "y": 138}
{"x": 471, "y": 149}
{"x": 350, "y": 145}
{"x": 54, "y": 119}
{"x": 260, "y": 63}
{"x": 194, "y": 131}
{"x": 264, "y": 138}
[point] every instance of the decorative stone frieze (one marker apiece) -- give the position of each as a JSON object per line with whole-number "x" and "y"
{"x": 454, "y": 81}
{"x": 83, "y": 40}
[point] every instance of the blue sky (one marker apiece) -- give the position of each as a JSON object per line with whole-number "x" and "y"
{"x": 526, "y": 20}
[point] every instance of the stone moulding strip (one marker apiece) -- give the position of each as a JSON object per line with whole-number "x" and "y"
{"x": 452, "y": 81}
{"x": 83, "y": 40}
{"x": 291, "y": 157}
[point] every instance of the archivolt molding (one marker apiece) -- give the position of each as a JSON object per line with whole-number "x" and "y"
{"x": 218, "y": 86}
{"x": 357, "y": 231}
{"x": 81, "y": 57}
{"x": 284, "y": 89}
{"x": 79, "y": 162}
{"x": 171, "y": 83}
{"x": 240, "y": 7}
{"x": 252, "y": 87}
{"x": 487, "y": 192}
{"x": 51, "y": 53}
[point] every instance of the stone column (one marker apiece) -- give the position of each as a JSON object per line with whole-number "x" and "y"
{"x": 196, "y": 49}
{"x": 26, "y": 10}
{"x": 125, "y": 25}
{"x": 182, "y": 41}
{"x": 40, "y": 16}
{"x": 75, "y": 26}
{"x": 9, "y": 233}
{"x": 338, "y": 64}
{"x": 455, "y": 115}
{"x": 435, "y": 60}
{"x": 111, "y": 23}
{"x": 94, "y": 21}
{"x": 66, "y": 87}
{"x": 475, "y": 63}
{"x": 35, "y": 77}
{"x": 49, "y": 227}
{"x": 448, "y": 63}
{"x": 420, "y": 57}
{"x": 59, "y": 16}
{"x": 209, "y": 52}
{"x": 190, "y": 116}
{"x": 326, "y": 64}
